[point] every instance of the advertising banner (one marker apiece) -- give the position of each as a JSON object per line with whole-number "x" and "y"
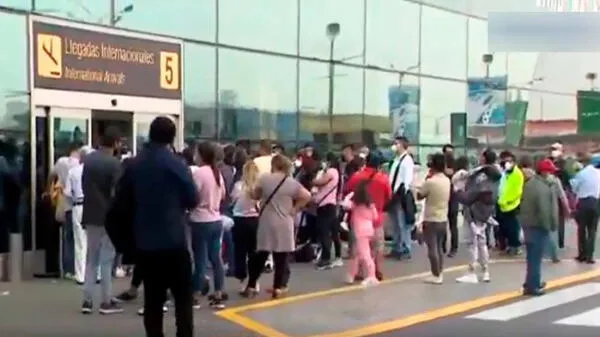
{"x": 404, "y": 111}
{"x": 486, "y": 101}
{"x": 516, "y": 120}
{"x": 91, "y": 60}
{"x": 458, "y": 128}
{"x": 588, "y": 112}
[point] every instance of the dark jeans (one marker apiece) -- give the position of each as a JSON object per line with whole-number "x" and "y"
{"x": 536, "y": 242}
{"x": 162, "y": 271}
{"x": 244, "y": 239}
{"x": 509, "y": 228}
{"x": 561, "y": 228}
{"x": 329, "y": 231}
{"x": 587, "y": 225}
{"x": 453, "y": 224}
{"x": 68, "y": 245}
{"x": 206, "y": 242}
{"x": 281, "y": 273}
{"x": 434, "y": 233}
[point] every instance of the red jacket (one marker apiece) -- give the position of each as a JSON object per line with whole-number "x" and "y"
{"x": 379, "y": 188}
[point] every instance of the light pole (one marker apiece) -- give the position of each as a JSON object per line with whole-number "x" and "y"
{"x": 403, "y": 72}
{"x": 115, "y": 16}
{"x": 332, "y": 31}
{"x": 592, "y": 78}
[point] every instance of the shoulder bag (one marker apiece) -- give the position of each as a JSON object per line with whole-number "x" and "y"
{"x": 270, "y": 197}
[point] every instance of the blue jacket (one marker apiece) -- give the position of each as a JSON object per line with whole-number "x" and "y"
{"x": 163, "y": 190}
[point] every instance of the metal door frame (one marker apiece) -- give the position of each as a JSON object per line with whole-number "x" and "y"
{"x": 58, "y": 112}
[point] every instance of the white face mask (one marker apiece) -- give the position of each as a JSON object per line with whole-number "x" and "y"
{"x": 297, "y": 162}
{"x": 323, "y": 166}
{"x": 555, "y": 153}
{"x": 394, "y": 148}
{"x": 508, "y": 166}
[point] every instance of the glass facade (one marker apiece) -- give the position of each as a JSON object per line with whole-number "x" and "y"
{"x": 271, "y": 69}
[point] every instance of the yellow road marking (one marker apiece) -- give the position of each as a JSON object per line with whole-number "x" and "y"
{"x": 251, "y": 324}
{"x": 329, "y": 292}
{"x": 454, "y": 309}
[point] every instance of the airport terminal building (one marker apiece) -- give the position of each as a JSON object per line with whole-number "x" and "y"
{"x": 293, "y": 71}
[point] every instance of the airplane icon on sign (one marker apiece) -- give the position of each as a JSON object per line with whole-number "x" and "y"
{"x": 49, "y": 56}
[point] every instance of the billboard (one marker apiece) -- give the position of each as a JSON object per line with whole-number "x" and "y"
{"x": 404, "y": 111}
{"x": 588, "y": 112}
{"x": 516, "y": 120}
{"x": 486, "y": 101}
{"x": 88, "y": 59}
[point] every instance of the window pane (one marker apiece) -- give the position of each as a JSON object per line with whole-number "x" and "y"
{"x": 316, "y": 15}
{"x": 521, "y": 68}
{"x": 438, "y": 100}
{"x": 14, "y": 125}
{"x": 346, "y": 119}
{"x": 401, "y": 18}
{"x": 199, "y": 92}
{"x": 19, "y": 4}
{"x": 444, "y": 43}
{"x": 255, "y": 91}
{"x": 262, "y": 24}
{"x": 478, "y": 46}
{"x": 392, "y": 105}
{"x": 182, "y": 18}
{"x": 85, "y": 10}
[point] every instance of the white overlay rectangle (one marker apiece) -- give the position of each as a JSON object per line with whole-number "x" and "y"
{"x": 590, "y": 318}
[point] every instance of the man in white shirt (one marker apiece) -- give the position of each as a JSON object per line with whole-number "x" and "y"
{"x": 263, "y": 161}
{"x": 74, "y": 195}
{"x": 401, "y": 178}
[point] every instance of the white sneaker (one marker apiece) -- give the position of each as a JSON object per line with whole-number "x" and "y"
{"x": 349, "y": 279}
{"x": 485, "y": 277}
{"x": 344, "y": 226}
{"x": 369, "y": 282}
{"x": 120, "y": 272}
{"x": 468, "y": 278}
{"x": 434, "y": 279}
{"x": 337, "y": 263}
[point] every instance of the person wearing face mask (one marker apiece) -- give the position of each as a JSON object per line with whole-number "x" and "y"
{"x": 556, "y": 155}
{"x": 509, "y": 199}
{"x": 539, "y": 217}
{"x": 401, "y": 208}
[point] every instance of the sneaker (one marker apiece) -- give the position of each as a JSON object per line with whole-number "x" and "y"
{"x": 140, "y": 311}
{"x": 196, "y": 304}
{"x": 324, "y": 265}
{"x": 120, "y": 272}
{"x": 434, "y": 279}
{"x": 369, "y": 281}
{"x": 87, "y": 307}
{"x": 217, "y": 302}
{"x": 485, "y": 277}
{"x": 349, "y": 279}
{"x": 127, "y": 296}
{"x": 468, "y": 278}
{"x": 337, "y": 263}
{"x": 110, "y": 308}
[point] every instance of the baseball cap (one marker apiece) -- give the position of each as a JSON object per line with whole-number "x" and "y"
{"x": 546, "y": 166}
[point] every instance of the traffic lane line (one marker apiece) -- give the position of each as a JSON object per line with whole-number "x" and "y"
{"x": 455, "y": 309}
{"x": 345, "y": 289}
{"x": 234, "y": 314}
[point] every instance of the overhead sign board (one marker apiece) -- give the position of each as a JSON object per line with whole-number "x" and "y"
{"x": 89, "y": 60}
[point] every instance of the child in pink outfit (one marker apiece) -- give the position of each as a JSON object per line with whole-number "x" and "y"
{"x": 363, "y": 214}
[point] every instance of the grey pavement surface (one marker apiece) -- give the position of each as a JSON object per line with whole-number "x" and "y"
{"x": 36, "y": 308}
{"x": 389, "y": 302}
{"x": 51, "y": 308}
{"x": 545, "y": 322}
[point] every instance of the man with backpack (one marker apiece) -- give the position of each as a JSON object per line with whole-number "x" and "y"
{"x": 380, "y": 190}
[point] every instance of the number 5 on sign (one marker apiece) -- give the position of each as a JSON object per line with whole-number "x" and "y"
{"x": 169, "y": 70}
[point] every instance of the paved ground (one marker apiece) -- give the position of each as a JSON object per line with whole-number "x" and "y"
{"x": 572, "y": 311}
{"x": 319, "y": 304}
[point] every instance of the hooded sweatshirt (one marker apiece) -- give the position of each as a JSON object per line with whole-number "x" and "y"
{"x": 480, "y": 194}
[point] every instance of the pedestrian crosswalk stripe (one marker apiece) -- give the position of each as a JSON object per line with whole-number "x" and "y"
{"x": 588, "y": 318}
{"x": 537, "y": 304}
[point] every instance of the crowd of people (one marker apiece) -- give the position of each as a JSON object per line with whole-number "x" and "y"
{"x": 172, "y": 215}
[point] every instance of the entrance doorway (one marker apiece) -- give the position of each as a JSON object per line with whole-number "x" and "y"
{"x": 121, "y": 120}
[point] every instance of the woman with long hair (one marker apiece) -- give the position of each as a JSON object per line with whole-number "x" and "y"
{"x": 281, "y": 197}
{"x": 245, "y": 217}
{"x": 328, "y": 188}
{"x": 206, "y": 225}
